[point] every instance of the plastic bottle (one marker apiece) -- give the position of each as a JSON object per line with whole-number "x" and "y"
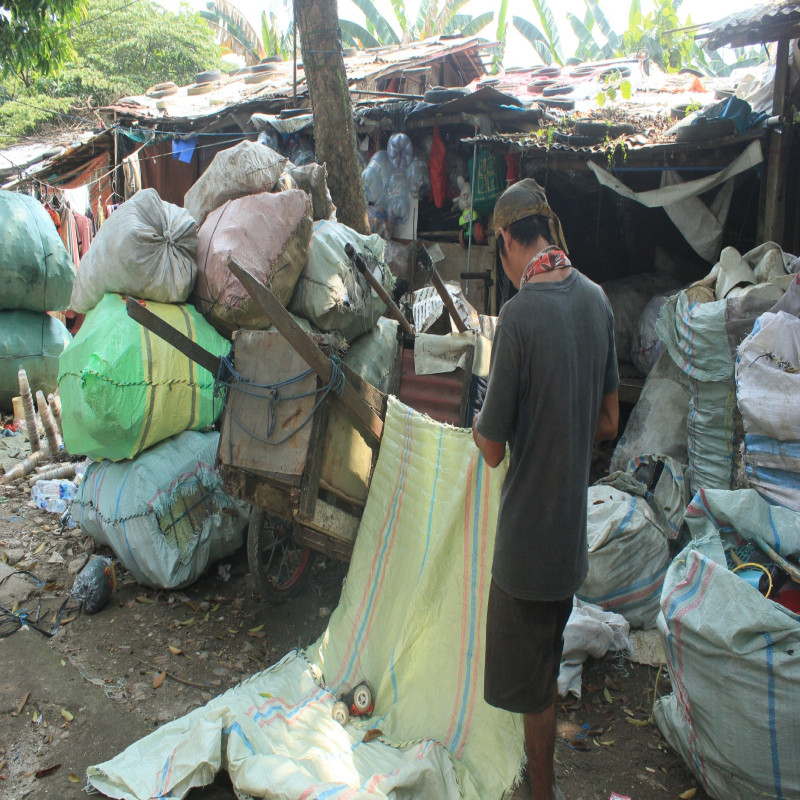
{"x": 399, "y": 197}
{"x": 54, "y": 496}
{"x": 400, "y": 151}
{"x": 374, "y": 185}
{"x": 419, "y": 178}
{"x": 381, "y": 159}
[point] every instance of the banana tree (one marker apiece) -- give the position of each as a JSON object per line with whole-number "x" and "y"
{"x": 276, "y": 41}
{"x": 545, "y": 40}
{"x": 233, "y": 30}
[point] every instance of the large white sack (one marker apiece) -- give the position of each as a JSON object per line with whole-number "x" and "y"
{"x": 331, "y": 293}
{"x": 732, "y": 656}
{"x": 628, "y": 555}
{"x": 164, "y": 513}
{"x": 146, "y": 248}
{"x": 268, "y": 234}
{"x": 767, "y": 391}
{"x": 657, "y": 423}
{"x": 248, "y": 168}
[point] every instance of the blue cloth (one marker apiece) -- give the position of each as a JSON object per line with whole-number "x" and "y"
{"x": 183, "y": 149}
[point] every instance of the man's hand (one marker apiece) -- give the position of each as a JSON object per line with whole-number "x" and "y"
{"x": 493, "y": 452}
{"x": 608, "y": 419}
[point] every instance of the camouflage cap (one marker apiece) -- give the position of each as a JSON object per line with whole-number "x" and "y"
{"x": 526, "y": 199}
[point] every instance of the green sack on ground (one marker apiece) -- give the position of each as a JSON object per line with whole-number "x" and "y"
{"x": 31, "y": 341}
{"x": 123, "y": 388}
{"x": 36, "y": 272}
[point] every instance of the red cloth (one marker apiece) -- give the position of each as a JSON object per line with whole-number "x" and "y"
{"x": 437, "y": 165}
{"x": 83, "y": 228}
{"x": 550, "y": 258}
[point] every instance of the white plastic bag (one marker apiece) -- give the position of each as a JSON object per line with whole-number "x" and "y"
{"x": 146, "y": 248}
{"x": 248, "y": 168}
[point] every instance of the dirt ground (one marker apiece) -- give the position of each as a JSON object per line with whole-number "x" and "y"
{"x": 103, "y": 681}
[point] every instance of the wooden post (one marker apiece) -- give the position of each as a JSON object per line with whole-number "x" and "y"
{"x": 423, "y": 258}
{"x": 774, "y": 208}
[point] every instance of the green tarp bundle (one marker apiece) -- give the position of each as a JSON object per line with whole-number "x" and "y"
{"x": 36, "y": 272}
{"x": 31, "y": 341}
{"x": 123, "y": 388}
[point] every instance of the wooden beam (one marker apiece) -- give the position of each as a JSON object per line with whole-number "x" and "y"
{"x": 774, "y": 209}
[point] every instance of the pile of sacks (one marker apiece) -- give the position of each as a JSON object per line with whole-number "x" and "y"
{"x": 719, "y": 408}
{"x": 130, "y": 401}
{"x": 36, "y": 274}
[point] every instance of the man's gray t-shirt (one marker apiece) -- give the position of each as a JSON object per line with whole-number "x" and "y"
{"x": 553, "y": 359}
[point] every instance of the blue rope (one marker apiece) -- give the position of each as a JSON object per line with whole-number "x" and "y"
{"x": 229, "y": 378}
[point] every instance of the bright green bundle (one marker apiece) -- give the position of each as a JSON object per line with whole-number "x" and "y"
{"x": 123, "y": 388}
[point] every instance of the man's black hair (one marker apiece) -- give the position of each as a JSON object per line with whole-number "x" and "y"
{"x": 528, "y": 229}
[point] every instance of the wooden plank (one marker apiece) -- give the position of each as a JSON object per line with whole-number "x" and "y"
{"x": 255, "y": 490}
{"x": 309, "y": 351}
{"x": 332, "y": 548}
{"x": 394, "y": 312}
{"x": 310, "y": 483}
{"x": 332, "y": 521}
{"x": 173, "y": 336}
{"x": 258, "y": 420}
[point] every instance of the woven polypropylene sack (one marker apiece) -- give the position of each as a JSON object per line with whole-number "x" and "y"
{"x": 31, "y": 341}
{"x": 767, "y": 388}
{"x": 164, "y": 513}
{"x": 313, "y": 180}
{"x": 733, "y": 714}
{"x": 628, "y": 555}
{"x": 248, "y": 168}
{"x": 123, "y": 388}
{"x": 268, "y": 234}
{"x": 331, "y": 293}
{"x": 657, "y": 423}
{"x": 146, "y": 248}
{"x": 36, "y": 272}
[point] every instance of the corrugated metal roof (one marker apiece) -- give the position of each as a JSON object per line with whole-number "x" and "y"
{"x": 764, "y": 23}
{"x": 240, "y": 90}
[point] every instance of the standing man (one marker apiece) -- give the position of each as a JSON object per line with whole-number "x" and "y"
{"x": 552, "y": 392}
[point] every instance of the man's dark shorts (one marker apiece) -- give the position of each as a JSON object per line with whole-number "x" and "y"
{"x": 524, "y": 642}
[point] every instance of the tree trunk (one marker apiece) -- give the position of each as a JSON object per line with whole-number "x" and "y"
{"x": 334, "y": 130}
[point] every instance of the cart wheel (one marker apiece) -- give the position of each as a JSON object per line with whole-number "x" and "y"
{"x": 279, "y": 568}
{"x": 340, "y": 712}
{"x": 362, "y": 697}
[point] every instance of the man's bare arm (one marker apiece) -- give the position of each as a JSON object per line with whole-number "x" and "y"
{"x": 493, "y": 452}
{"x": 608, "y": 420}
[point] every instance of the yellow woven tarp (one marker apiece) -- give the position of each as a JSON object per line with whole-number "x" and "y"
{"x": 411, "y": 621}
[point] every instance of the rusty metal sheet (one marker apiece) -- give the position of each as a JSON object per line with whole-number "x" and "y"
{"x": 439, "y": 396}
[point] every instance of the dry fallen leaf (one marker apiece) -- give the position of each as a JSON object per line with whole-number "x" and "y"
{"x": 627, "y": 711}
{"x": 189, "y": 621}
{"x": 607, "y": 695}
{"x": 650, "y": 769}
{"x": 639, "y": 723}
{"x": 39, "y": 549}
{"x": 595, "y": 730}
{"x": 67, "y": 716}
{"x": 73, "y": 778}
{"x": 22, "y": 702}
{"x": 176, "y": 651}
{"x": 688, "y": 794}
{"x": 144, "y": 599}
{"x": 579, "y": 744}
{"x": 159, "y": 679}
{"x": 41, "y": 773}
{"x": 257, "y": 628}
{"x": 607, "y": 743}
{"x": 372, "y": 733}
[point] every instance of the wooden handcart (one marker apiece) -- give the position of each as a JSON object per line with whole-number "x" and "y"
{"x": 299, "y": 438}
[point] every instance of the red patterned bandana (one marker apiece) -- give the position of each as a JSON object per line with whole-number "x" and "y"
{"x": 550, "y": 258}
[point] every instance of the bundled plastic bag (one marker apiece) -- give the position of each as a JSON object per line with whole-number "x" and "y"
{"x": 146, "y": 248}
{"x": 628, "y": 552}
{"x": 657, "y": 423}
{"x": 372, "y": 356}
{"x": 36, "y": 272}
{"x": 767, "y": 389}
{"x": 123, "y": 388}
{"x": 269, "y": 235}
{"x": 313, "y": 180}
{"x": 31, "y": 341}
{"x": 331, "y": 293}
{"x": 164, "y": 514}
{"x": 732, "y": 656}
{"x": 94, "y": 584}
{"x": 695, "y": 336}
{"x": 248, "y": 168}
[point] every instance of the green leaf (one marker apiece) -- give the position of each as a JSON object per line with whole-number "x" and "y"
{"x": 536, "y": 38}
{"x": 399, "y": 8}
{"x": 501, "y": 21}
{"x": 625, "y": 89}
{"x": 585, "y": 38}
{"x": 356, "y": 35}
{"x": 601, "y": 99}
{"x": 602, "y": 23}
{"x": 384, "y": 32}
{"x": 550, "y": 29}
{"x": 477, "y": 24}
